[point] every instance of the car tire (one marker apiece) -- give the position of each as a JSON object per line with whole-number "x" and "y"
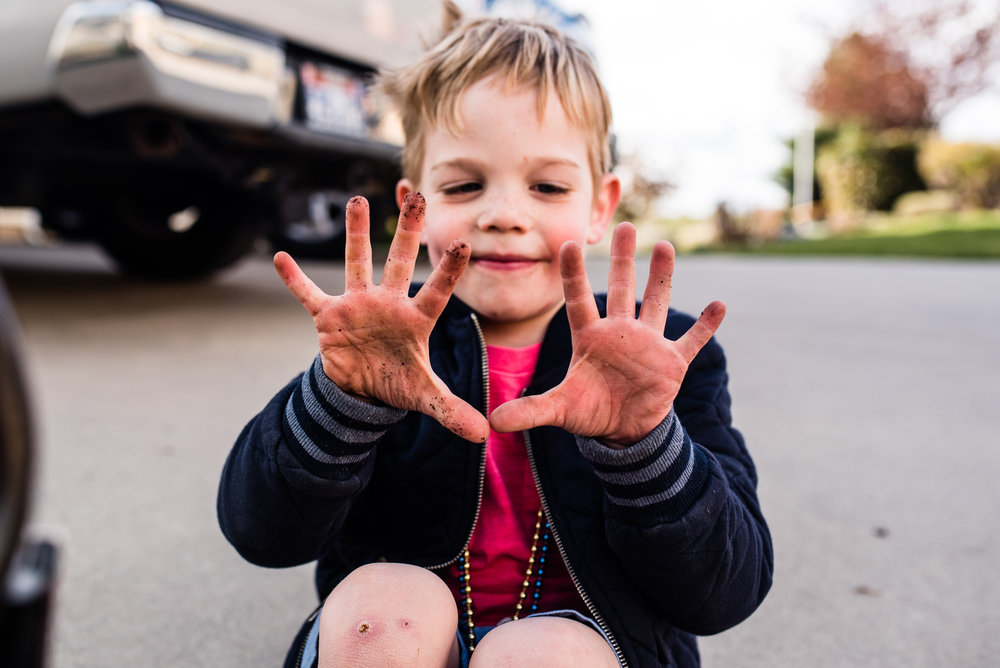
{"x": 16, "y": 452}
{"x": 180, "y": 236}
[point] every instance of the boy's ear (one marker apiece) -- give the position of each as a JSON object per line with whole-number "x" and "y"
{"x": 403, "y": 188}
{"x": 606, "y": 201}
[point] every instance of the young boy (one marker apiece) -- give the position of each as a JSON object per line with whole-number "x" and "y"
{"x": 499, "y": 452}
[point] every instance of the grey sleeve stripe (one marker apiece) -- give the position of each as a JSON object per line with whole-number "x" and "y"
{"x": 644, "y": 448}
{"x": 314, "y": 450}
{"x": 327, "y": 422}
{"x": 353, "y": 408}
{"x": 673, "y": 491}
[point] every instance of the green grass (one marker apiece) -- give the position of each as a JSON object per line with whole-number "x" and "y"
{"x": 968, "y": 234}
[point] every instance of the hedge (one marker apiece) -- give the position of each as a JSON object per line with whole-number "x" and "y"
{"x": 863, "y": 170}
{"x": 970, "y": 170}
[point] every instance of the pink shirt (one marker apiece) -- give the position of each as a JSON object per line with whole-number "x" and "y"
{"x": 501, "y": 542}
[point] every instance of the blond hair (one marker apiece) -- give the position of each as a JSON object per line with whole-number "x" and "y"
{"x": 522, "y": 54}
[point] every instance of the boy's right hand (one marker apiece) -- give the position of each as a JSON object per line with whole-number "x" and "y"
{"x": 373, "y": 339}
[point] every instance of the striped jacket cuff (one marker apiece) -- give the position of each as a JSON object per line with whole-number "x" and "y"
{"x": 658, "y": 479}
{"x": 331, "y": 432}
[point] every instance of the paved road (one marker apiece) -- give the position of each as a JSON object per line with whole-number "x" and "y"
{"x": 868, "y": 392}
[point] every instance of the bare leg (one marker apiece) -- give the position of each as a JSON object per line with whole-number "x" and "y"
{"x": 389, "y": 615}
{"x": 553, "y": 642}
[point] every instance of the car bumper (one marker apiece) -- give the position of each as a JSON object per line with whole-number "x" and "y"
{"x": 107, "y": 56}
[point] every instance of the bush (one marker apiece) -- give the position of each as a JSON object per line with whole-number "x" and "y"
{"x": 863, "y": 170}
{"x": 971, "y": 170}
{"x": 925, "y": 201}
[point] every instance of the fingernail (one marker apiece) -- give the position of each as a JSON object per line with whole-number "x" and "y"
{"x": 414, "y": 203}
{"x": 457, "y": 247}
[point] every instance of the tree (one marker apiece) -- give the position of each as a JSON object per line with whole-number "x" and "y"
{"x": 867, "y": 81}
{"x": 641, "y": 191}
{"x": 902, "y": 71}
{"x": 953, "y": 46}
{"x": 911, "y": 64}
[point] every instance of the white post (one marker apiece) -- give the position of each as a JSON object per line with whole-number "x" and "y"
{"x": 802, "y": 171}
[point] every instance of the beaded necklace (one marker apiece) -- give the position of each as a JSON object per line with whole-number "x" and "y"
{"x": 538, "y": 549}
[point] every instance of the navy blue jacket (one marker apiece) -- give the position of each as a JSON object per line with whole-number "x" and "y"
{"x": 665, "y": 539}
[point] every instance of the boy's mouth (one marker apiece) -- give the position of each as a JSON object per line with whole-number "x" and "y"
{"x": 503, "y": 262}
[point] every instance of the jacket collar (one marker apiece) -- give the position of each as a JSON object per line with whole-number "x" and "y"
{"x": 554, "y": 356}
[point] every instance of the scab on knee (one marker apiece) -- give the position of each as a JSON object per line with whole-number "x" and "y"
{"x": 389, "y": 615}
{"x": 367, "y": 628}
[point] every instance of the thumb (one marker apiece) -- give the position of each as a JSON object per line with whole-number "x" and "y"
{"x": 300, "y": 285}
{"x": 525, "y": 413}
{"x": 457, "y": 416}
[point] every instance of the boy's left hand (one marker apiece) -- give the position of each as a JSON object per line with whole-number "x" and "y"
{"x": 624, "y": 373}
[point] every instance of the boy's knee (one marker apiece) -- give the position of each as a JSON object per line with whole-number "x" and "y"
{"x": 394, "y": 586}
{"x": 388, "y": 614}
{"x": 543, "y": 641}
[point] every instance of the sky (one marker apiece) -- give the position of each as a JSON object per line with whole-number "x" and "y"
{"x": 705, "y": 93}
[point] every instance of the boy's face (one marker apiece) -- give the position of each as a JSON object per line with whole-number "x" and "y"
{"x": 516, "y": 189}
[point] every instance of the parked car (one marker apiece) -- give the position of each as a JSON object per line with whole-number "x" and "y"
{"x": 27, "y": 562}
{"x": 175, "y": 134}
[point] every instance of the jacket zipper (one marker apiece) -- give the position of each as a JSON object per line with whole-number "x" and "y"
{"x": 305, "y": 640}
{"x": 569, "y": 567}
{"x": 485, "y": 370}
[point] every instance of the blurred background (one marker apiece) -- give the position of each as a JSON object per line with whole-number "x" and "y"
{"x": 875, "y": 119}
{"x": 830, "y": 170}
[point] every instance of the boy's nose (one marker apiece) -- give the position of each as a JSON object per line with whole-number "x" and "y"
{"x": 502, "y": 215}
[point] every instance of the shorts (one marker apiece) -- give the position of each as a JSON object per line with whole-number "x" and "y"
{"x": 304, "y": 651}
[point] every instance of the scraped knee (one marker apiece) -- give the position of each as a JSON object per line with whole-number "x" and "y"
{"x": 388, "y": 615}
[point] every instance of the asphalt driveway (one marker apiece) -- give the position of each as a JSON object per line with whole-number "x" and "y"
{"x": 868, "y": 392}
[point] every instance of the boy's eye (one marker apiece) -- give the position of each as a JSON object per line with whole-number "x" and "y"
{"x": 550, "y": 189}
{"x": 462, "y": 188}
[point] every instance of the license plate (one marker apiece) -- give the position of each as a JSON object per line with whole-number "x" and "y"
{"x": 333, "y": 99}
